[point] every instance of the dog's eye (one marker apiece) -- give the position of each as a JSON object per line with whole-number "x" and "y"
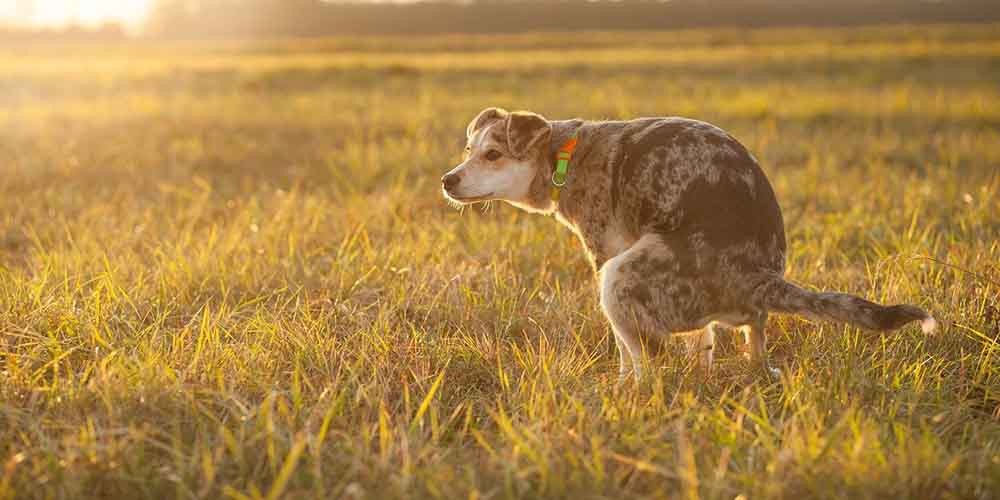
{"x": 493, "y": 155}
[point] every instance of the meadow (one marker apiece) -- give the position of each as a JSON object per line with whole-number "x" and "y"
{"x": 226, "y": 270}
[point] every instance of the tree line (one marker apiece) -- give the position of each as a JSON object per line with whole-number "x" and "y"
{"x": 312, "y": 18}
{"x": 282, "y": 18}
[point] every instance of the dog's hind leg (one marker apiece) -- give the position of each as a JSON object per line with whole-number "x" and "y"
{"x": 756, "y": 340}
{"x": 701, "y": 346}
{"x": 638, "y": 295}
{"x": 626, "y": 338}
{"x": 624, "y": 358}
{"x": 624, "y": 322}
{"x": 706, "y": 347}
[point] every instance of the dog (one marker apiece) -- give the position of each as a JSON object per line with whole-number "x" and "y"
{"x": 677, "y": 218}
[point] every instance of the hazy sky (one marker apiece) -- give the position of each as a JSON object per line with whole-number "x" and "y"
{"x": 62, "y": 12}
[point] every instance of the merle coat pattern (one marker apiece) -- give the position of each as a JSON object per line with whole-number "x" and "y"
{"x": 676, "y": 216}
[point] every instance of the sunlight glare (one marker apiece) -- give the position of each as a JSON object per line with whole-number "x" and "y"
{"x": 56, "y": 13}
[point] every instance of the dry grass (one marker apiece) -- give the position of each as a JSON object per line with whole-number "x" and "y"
{"x": 226, "y": 270}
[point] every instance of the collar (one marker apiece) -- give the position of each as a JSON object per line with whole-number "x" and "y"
{"x": 562, "y": 164}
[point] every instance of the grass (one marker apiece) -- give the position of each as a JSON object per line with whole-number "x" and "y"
{"x": 226, "y": 271}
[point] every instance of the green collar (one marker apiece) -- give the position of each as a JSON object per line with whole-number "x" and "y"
{"x": 562, "y": 165}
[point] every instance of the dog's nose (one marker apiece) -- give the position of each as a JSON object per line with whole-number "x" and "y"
{"x": 449, "y": 181}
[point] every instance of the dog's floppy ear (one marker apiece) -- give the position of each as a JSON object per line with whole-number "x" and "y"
{"x": 485, "y": 116}
{"x": 525, "y": 131}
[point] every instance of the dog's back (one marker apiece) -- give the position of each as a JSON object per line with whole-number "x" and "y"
{"x": 697, "y": 186}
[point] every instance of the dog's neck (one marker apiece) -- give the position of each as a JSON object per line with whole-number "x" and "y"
{"x": 540, "y": 196}
{"x": 561, "y": 132}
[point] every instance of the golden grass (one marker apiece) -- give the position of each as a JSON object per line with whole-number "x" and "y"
{"x": 226, "y": 270}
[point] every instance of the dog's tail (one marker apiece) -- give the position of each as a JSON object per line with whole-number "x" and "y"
{"x": 778, "y": 295}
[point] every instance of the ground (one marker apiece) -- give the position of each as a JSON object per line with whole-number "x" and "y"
{"x": 226, "y": 269}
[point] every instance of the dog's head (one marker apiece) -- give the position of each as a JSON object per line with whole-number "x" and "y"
{"x": 506, "y": 158}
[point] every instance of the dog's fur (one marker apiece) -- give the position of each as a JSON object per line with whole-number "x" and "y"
{"x": 676, "y": 216}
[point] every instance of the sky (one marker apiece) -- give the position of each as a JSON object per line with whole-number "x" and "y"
{"x": 55, "y": 13}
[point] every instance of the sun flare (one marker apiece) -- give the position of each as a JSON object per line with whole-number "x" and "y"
{"x": 130, "y": 13}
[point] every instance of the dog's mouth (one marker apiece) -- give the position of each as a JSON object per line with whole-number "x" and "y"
{"x": 467, "y": 199}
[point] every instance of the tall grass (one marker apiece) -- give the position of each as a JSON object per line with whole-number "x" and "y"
{"x": 226, "y": 270}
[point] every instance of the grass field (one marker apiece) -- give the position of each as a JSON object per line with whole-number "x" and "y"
{"x": 226, "y": 270}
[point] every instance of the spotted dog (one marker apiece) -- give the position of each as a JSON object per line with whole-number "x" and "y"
{"x": 677, "y": 218}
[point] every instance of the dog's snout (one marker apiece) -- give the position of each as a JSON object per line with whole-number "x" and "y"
{"x": 449, "y": 181}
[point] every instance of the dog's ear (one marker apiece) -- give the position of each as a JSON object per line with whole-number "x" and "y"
{"x": 485, "y": 116}
{"x": 526, "y": 131}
